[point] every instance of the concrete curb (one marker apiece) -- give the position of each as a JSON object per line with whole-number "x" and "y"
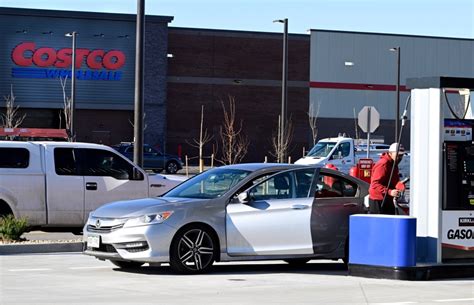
{"x": 40, "y": 248}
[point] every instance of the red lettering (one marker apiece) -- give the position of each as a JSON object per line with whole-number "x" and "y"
{"x": 18, "y": 54}
{"x": 41, "y": 61}
{"x": 25, "y": 54}
{"x": 64, "y": 58}
{"x": 92, "y": 61}
{"x": 80, "y": 54}
{"x": 113, "y": 60}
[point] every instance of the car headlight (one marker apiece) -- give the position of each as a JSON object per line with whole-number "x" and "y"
{"x": 148, "y": 219}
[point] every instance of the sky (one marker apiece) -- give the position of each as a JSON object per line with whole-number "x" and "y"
{"x": 445, "y": 18}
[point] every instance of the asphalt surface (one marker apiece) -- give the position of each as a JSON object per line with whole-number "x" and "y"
{"x": 80, "y": 279}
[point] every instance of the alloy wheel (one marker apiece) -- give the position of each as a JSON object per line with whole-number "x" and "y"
{"x": 196, "y": 250}
{"x": 172, "y": 167}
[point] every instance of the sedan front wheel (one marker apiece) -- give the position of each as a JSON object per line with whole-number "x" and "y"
{"x": 192, "y": 250}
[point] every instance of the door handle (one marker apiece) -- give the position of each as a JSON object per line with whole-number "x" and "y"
{"x": 91, "y": 186}
{"x": 299, "y": 206}
{"x": 351, "y": 204}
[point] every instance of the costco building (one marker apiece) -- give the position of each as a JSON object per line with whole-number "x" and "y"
{"x": 336, "y": 72}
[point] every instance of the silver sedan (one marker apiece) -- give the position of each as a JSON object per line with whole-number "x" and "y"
{"x": 254, "y": 211}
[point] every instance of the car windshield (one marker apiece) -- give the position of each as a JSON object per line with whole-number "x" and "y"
{"x": 321, "y": 149}
{"x": 210, "y": 184}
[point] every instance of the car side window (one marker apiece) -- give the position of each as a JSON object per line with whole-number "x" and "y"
{"x": 330, "y": 186}
{"x": 65, "y": 162}
{"x": 279, "y": 186}
{"x": 303, "y": 181}
{"x": 97, "y": 162}
{"x": 14, "y": 157}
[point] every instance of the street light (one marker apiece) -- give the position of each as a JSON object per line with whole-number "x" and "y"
{"x": 73, "y": 84}
{"x": 139, "y": 81}
{"x": 284, "y": 88}
{"x": 397, "y": 118}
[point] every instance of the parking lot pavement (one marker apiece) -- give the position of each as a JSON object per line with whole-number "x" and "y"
{"x": 80, "y": 279}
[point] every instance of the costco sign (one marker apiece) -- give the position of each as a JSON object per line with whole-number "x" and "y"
{"x": 46, "y": 62}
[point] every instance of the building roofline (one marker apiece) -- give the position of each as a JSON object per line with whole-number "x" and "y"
{"x": 81, "y": 15}
{"x": 238, "y": 33}
{"x": 391, "y": 34}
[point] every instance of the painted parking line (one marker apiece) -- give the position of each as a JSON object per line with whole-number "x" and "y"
{"x": 28, "y": 270}
{"x": 94, "y": 267}
{"x": 454, "y": 300}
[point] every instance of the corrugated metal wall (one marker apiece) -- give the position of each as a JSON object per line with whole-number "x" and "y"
{"x": 376, "y": 66}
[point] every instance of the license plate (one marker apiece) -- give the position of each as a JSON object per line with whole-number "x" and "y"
{"x": 93, "y": 241}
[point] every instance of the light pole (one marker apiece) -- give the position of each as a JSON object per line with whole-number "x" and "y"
{"x": 139, "y": 104}
{"x": 72, "y": 109}
{"x": 397, "y": 118}
{"x": 284, "y": 90}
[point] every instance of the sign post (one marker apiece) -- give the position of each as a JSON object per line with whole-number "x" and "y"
{"x": 369, "y": 121}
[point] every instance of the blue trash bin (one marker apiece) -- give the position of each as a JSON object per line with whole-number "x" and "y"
{"x": 382, "y": 240}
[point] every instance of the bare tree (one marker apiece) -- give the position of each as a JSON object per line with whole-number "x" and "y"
{"x": 11, "y": 118}
{"x": 234, "y": 143}
{"x": 313, "y": 118}
{"x": 144, "y": 126}
{"x": 355, "y": 124}
{"x": 204, "y": 138}
{"x": 66, "y": 111}
{"x": 281, "y": 145}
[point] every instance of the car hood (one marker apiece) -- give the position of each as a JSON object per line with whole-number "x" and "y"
{"x": 139, "y": 207}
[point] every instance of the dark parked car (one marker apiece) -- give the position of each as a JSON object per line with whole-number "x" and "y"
{"x": 152, "y": 159}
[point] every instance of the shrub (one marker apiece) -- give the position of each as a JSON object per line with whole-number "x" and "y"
{"x": 12, "y": 228}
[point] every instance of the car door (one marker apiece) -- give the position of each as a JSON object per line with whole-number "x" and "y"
{"x": 109, "y": 177}
{"x": 64, "y": 187}
{"x": 152, "y": 158}
{"x": 275, "y": 220}
{"x": 335, "y": 199}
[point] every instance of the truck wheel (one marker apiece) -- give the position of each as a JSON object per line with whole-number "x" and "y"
{"x": 5, "y": 209}
{"x": 192, "y": 250}
{"x": 127, "y": 264}
{"x": 171, "y": 167}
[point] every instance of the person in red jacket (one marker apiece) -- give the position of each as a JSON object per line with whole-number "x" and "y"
{"x": 379, "y": 182}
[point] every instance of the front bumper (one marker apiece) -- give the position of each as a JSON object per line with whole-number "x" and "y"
{"x": 147, "y": 244}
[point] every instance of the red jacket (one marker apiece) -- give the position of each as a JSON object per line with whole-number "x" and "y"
{"x": 380, "y": 176}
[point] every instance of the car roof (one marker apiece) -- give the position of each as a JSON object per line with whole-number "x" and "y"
{"x": 261, "y": 166}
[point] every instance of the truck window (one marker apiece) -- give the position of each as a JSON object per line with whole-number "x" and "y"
{"x": 14, "y": 157}
{"x": 97, "y": 162}
{"x": 65, "y": 162}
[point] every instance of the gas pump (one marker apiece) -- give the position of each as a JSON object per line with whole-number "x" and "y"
{"x": 442, "y": 170}
{"x": 458, "y": 196}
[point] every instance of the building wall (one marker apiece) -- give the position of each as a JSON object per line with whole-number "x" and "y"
{"x": 210, "y": 65}
{"x": 342, "y": 90}
{"x": 39, "y": 87}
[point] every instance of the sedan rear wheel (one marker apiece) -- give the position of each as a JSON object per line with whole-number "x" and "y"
{"x": 192, "y": 250}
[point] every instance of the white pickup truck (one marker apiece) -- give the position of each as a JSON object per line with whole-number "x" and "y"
{"x": 342, "y": 153}
{"x": 57, "y": 184}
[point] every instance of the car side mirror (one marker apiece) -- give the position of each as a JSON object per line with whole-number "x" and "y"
{"x": 244, "y": 197}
